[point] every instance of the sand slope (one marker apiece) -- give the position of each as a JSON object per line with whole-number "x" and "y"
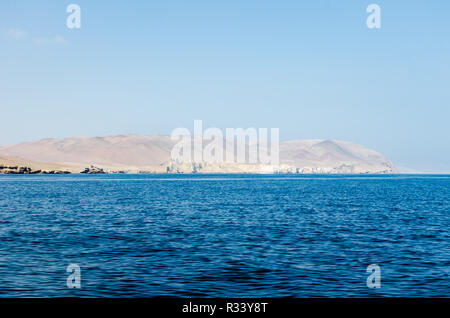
{"x": 134, "y": 153}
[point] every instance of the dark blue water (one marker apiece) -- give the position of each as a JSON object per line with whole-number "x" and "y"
{"x": 224, "y": 235}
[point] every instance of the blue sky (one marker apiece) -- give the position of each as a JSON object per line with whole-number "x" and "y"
{"x": 313, "y": 69}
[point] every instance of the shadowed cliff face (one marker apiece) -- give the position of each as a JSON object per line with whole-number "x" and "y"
{"x": 134, "y": 153}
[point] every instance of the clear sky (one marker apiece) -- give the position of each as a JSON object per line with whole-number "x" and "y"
{"x": 311, "y": 68}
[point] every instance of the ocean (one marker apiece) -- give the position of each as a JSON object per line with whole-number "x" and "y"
{"x": 225, "y": 235}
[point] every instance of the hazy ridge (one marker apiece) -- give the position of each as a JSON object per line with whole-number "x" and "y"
{"x": 138, "y": 153}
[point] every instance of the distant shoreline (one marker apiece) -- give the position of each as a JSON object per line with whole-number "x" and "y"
{"x": 221, "y": 173}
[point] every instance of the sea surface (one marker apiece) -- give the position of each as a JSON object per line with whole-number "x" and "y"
{"x": 225, "y": 235}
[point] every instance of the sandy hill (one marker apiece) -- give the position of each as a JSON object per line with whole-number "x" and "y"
{"x": 134, "y": 153}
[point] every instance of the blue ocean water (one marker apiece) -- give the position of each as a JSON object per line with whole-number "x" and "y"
{"x": 225, "y": 235}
